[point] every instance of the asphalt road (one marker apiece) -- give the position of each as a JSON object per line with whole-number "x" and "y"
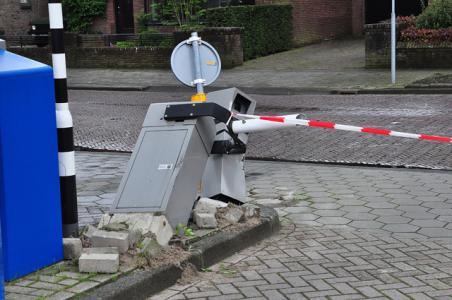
{"x": 111, "y": 121}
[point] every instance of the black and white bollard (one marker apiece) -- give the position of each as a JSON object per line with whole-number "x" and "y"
{"x": 64, "y": 123}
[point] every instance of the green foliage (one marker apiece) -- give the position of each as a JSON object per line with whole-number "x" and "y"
{"x": 167, "y": 43}
{"x": 438, "y": 14}
{"x": 152, "y": 38}
{"x": 227, "y": 271}
{"x": 81, "y": 13}
{"x": 143, "y": 20}
{"x": 267, "y": 28}
{"x": 185, "y": 12}
{"x": 126, "y": 44}
{"x": 148, "y": 38}
{"x": 183, "y": 230}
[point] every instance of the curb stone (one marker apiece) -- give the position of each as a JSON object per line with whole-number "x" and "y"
{"x": 141, "y": 284}
{"x": 285, "y": 91}
{"x": 395, "y": 91}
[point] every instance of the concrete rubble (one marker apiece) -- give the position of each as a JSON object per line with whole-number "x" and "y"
{"x": 234, "y": 215}
{"x": 99, "y": 260}
{"x": 72, "y": 248}
{"x": 209, "y": 213}
{"x": 149, "y": 248}
{"x": 144, "y": 234}
{"x": 103, "y": 238}
{"x": 208, "y": 205}
{"x": 205, "y": 220}
{"x": 146, "y": 223}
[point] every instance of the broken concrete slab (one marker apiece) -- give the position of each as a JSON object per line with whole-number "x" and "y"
{"x": 72, "y": 248}
{"x": 149, "y": 248}
{"x": 134, "y": 237}
{"x": 209, "y": 205}
{"x": 234, "y": 215}
{"x": 89, "y": 230}
{"x": 251, "y": 210}
{"x": 144, "y": 222}
{"x": 115, "y": 227}
{"x": 205, "y": 220}
{"x": 140, "y": 221}
{"x": 162, "y": 230}
{"x": 102, "y": 238}
{"x": 205, "y": 252}
{"x": 99, "y": 260}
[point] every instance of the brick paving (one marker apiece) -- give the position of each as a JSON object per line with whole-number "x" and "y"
{"x": 312, "y": 262}
{"x": 112, "y": 121}
{"x": 348, "y": 233}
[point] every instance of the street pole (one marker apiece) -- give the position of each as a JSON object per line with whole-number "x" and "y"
{"x": 66, "y": 155}
{"x": 393, "y": 43}
{"x": 199, "y": 81}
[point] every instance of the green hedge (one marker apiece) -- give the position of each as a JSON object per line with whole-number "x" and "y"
{"x": 438, "y": 14}
{"x": 267, "y": 28}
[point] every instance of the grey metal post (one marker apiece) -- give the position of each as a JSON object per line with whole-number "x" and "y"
{"x": 198, "y": 76}
{"x": 2, "y": 44}
{"x": 393, "y": 43}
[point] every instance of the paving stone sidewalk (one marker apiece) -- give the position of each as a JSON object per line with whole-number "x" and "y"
{"x": 348, "y": 233}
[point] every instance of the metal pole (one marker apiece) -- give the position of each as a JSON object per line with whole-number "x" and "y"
{"x": 393, "y": 43}
{"x": 199, "y": 80}
{"x": 66, "y": 155}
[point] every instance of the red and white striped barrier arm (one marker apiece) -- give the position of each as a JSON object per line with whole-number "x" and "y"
{"x": 252, "y": 123}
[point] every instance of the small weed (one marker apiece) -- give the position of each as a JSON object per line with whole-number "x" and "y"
{"x": 182, "y": 230}
{"x": 140, "y": 245}
{"x": 87, "y": 277}
{"x": 114, "y": 277}
{"x": 61, "y": 278}
{"x": 227, "y": 271}
{"x": 206, "y": 270}
{"x": 298, "y": 197}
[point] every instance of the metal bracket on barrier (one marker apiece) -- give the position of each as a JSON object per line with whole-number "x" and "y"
{"x": 180, "y": 112}
{"x": 228, "y": 147}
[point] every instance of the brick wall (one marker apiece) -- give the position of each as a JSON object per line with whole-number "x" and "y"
{"x": 440, "y": 58}
{"x": 358, "y": 17}
{"x": 315, "y": 20}
{"x": 378, "y": 44}
{"x": 15, "y": 20}
{"x": 378, "y": 51}
{"x": 227, "y": 41}
{"x": 155, "y": 58}
{"x": 107, "y": 24}
{"x": 152, "y": 58}
{"x": 138, "y": 8}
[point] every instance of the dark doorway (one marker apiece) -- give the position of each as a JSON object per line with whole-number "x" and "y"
{"x": 124, "y": 16}
{"x": 380, "y": 10}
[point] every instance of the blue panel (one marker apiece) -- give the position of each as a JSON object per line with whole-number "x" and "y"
{"x": 30, "y": 208}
